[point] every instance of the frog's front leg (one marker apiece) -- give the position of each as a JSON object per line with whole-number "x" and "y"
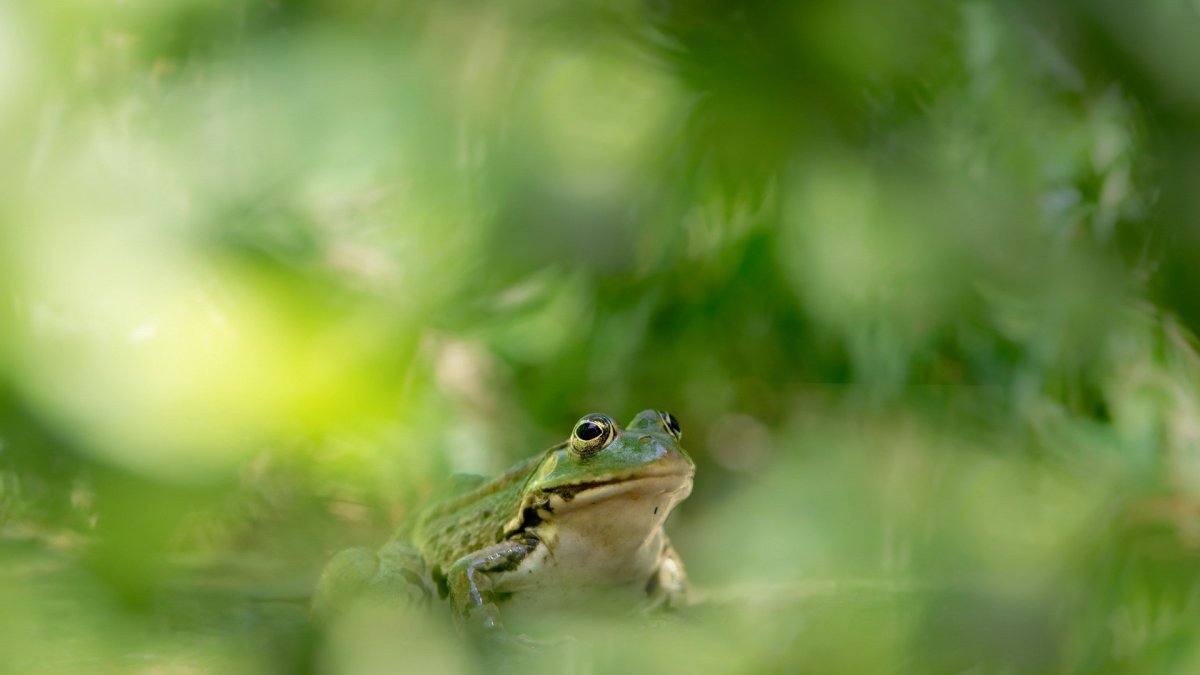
{"x": 667, "y": 586}
{"x": 471, "y": 586}
{"x": 396, "y": 573}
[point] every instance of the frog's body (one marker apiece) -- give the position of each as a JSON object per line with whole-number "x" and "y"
{"x": 585, "y": 516}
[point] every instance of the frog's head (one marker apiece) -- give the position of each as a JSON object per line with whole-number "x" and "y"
{"x": 600, "y": 459}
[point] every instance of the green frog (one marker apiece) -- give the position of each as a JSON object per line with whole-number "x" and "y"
{"x": 580, "y": 521}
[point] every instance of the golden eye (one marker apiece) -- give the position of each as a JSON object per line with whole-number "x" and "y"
{"x": 671, "y": 425}
{"x": 592, "y": 434}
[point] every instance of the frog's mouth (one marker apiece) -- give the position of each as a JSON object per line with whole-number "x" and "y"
{"x": 660, "y": 489}
{"x": 648, "y": 484}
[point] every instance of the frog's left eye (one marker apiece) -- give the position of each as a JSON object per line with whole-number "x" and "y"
{"x": 670, "y": 424}
{"x": 592, "y": 434}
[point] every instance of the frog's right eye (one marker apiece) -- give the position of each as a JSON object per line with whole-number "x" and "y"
{"x": 670, "y": 424}
{"x": 592, "y": 434}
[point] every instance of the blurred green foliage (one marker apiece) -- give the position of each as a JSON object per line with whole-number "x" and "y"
{"x": 920, "y": 282}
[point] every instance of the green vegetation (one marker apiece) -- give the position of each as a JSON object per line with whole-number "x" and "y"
{"x": 920, "y": 282}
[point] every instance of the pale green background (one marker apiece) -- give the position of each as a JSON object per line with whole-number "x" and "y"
{"x": 919, "y": 281}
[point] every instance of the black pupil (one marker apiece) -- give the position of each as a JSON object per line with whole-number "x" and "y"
{"x": 588, "y": 431}
{"x": 672, "y": 423}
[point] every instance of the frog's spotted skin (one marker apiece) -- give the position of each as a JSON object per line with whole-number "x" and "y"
{"x": 585, "y": 515}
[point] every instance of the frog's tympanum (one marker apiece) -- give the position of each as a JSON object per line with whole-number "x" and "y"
{"x": 582, "y": 520}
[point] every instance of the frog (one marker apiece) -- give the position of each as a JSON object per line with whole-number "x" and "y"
{"x": 582, "y": 520}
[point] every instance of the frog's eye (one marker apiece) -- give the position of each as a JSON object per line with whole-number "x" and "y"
{"x": 671, "y": 425}
{"x": 592, "y": 434}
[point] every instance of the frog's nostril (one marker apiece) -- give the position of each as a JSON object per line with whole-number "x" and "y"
{"x": 644, "y": 440}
